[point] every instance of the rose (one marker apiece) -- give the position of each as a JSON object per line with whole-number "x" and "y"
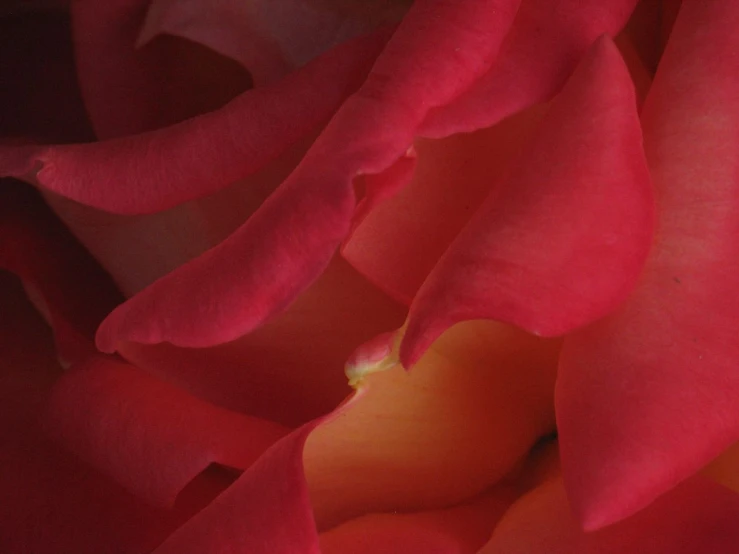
{"x": 211, "y": 434}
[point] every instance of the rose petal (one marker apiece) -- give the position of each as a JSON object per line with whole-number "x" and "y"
{"x": 150, "y": 437}
{"x": 267, "y": 38}
{"x": 648, "y": 395}
{"x": 434, "y": 437}
{"x": 458, "y": 530}
{"x": 51, "y": 502}
{"x": 697, "y": 517}
{"x": 544, "y": 46}
{"x": 266, "y": 511}
{"x": 289, "y": 370}
{"x": 263, "y": 266}
{"x": 162, "y": 168}
{"x": 565, "y": 240}
{"x": 57, "y": 273}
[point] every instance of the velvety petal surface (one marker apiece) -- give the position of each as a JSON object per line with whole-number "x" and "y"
{"x": 288, "y": 242}
{"x": 548, "y": 39}
{"x": 149, "y": 436}
{"x": 564, "y": 240}
{"x": 698, "y": 516}
{"x": 648, "y": 395}
{"x": 458, "y": 423}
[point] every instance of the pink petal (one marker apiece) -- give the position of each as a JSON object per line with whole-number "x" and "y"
{"x": 546, "y": 42}
{"x": 648, "y": 395}
{"x": 697, "y": 517}
{"x": 150, "y": 437}
{"x": 564, "y": 241}
{"x": 459, "y": 530}
{"x": 266, "y": 511}
{"x": 268, "y": 38}
{"x": 263, "y": 266}
{"x": 162, "y": 168}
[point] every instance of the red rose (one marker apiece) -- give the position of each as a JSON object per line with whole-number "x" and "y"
{"x": 467, "y": 200}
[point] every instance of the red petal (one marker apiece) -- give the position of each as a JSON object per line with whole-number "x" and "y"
{"x": 648, "y": 396}
{"x": 565, "y": 240}
{"x": 149, "y": 436}
{"x": 55, "y": 270}
{"x": 263, "y": 266}
{"x": 266, "y": 511}
{"x": 695, "y": 518}
{"x": 160, "y": 169}
{"x": 546, "y": 42}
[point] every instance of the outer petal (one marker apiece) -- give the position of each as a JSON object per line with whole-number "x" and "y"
{"x": 648, "y": 395}
{"x": 697, "y": 517}
{"x": 150, "y": 437}
{"x": 264, "y": 265}
{"x": 458, "y": 423}
{"x": 162, "y": 168}
{"x": 546, "y": 42}
{"x": 564, "y": 241}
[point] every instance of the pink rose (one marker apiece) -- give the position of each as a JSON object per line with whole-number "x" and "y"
{"x": 509, "y": 231}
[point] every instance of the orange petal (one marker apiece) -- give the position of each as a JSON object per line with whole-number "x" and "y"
{"x": 474, "y": 405}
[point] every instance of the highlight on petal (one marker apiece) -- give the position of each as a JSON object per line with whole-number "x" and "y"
{"x": 439, "y": 435}
{"x": 149, "y": 436}
{"x": 461, "y": 529}
{"x": 266, "y": 511}
{"x": 647, "y": 396}
{"x": 546, "y": 42}
{"x": 300, "y": 226}
{"x": 697, "y": 517}
{"x": 564, "y": 241}
{"x": 267, "y": 38}
{"x": 162, "y": 168}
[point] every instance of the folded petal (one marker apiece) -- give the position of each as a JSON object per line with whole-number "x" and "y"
{"x": 263, "y": 266}
{"x": 290, "y": 369}
{"x": 150, "y": 437}
{"x": 548, "y": 39}
{"x": 648, "y": 395}
{"x": 697, "y": 517}
{"x": 162, "y": 168}
{"x": 564, "y": 241}
{"x": 268, "y": 39}
{"x": 459, "y": 530}
{"x": 266, "y": 511}
{"x": 434, "y": 437}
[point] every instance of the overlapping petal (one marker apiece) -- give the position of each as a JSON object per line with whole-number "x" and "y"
{"x": 286, "y": 244}
{"x": 648, "y": 395}
{"x": 437, "y": 436}
{"x": 565, "y": 239}
{"x": 150, "y": 437}
{"x": 548, "y": 39}
{"x": 697, "y": 517}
